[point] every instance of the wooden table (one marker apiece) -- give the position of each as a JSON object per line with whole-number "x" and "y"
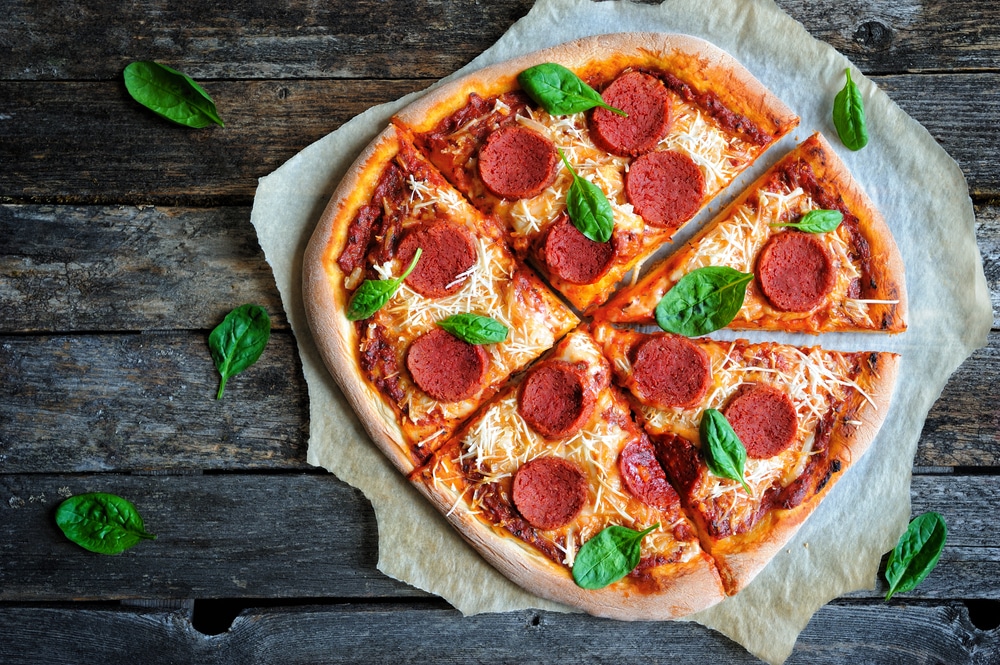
{"x": 125, "y": 239}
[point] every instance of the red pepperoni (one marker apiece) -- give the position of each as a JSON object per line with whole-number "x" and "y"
{"x": 549, "y": 492}
{"x": 795, "y": 271}
{"x": 670, "y": 370}
{"x": 665, "y": 187}
{"x": 517, "y": 163}
{"x": 644, "y": 477}
{"x": 445, "y": 367}
{"x": 448, "y": 251}
{"x": 574, "y": 257}
{"x": 554, "y": 399}
{"x": 647, "y": 103}
{"x": 764, "y": 419}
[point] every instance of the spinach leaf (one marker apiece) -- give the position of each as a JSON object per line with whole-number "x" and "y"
{"x": 916, "y": 553}
{"x": 816, "y": 221}
{"x": 170, "y": 94}
{"x": 374, "y": 293}
{"x": 588, "y": 207}
{"x": 723, "y": 451}
{"x": 475, "y": 329}
{"x": 702, "y": 301}
{"x": 849, "y": 115}
{"x": 609, "y": 556}
{"x": 102, "y": 523}
{"x": 559, "y": 91}
{"x": 238, "y": 341}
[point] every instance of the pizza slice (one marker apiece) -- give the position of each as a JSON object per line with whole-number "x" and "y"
{"x": 803, "y": 416}
{"x": 402, "y": 252}
{"x": 695, "y": 119}
{"x": 550, "y": 463}
{"x": 806, "y": 277}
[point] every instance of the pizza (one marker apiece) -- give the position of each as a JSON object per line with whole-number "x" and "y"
{"x": 467, "y": 287}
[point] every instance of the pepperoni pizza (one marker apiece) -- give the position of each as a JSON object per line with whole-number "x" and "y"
{"x": 629, "y": 474}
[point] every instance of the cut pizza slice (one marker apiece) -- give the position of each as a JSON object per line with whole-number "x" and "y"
{"x": 550, "y": 463}
{"x": 802, "y": 416}
{"x": 695, "y": 119}
{"x": 806, "y": 277}
{"x": 404, "y": 252}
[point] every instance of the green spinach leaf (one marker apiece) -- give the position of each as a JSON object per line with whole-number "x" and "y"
{"x": 816, "y": 221}
{"x": 170, "y": 94}
{"x": 474, "y": 328}
{"x": 238, "y": 341}
{"x": 609, "y": 556}
{"x": 588, "y": 207}
{"x": 102, "y": 523}
{"x": 724, "y": 453}
{"x": 916, "y": 553}
{"x": 559, "y": 91}
{"x": 849, "y": 115}
{"x": 373, "y": 294}
{"x": 702, "y": 301}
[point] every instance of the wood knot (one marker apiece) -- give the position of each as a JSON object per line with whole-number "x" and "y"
{"x": 874, "y": 35}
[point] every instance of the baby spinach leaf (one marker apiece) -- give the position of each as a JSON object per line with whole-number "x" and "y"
{"x": 609, "y": 556}
{"x": 559, "y": 91}
{"x": 702, "y": 301}
{"x": 374, "y": 293}
{"x": 102, "y": 523}
{"x": 475, "y": 329}
{"x": 724, "y": 453}
{"x": 816, "y": 221}
{"x": 916, "y": 553}
{"x": 849, "y": 115}
{"x": 238, "y": 341}
{"x": 170, "y": 94}
{"x": 588, "y": 207}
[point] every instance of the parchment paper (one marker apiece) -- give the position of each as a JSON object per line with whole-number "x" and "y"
{"x": 920, "y": 191}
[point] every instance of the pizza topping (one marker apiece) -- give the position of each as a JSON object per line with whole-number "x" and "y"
{"x": 573, "y": 257}
{"x": 795, "y": 271}
{"x": 549, "y": 492}
{"x": 815, "y": 221}
{"x": 647, "y": 103}
{"x": 449, "y": 251}
{"x": 475, "y": 328}
{"x": 554, "y": 399}
{"x": 517, "y": 163}
{"x": 364, "y": 226}
{"x": 764, "y": 419}
{"x": 643, "y": 476}
{"x": 665, "y": 187}
{"x": 671, "y": 371}
{"x": 559, "y": 91}
{"x": 445, "y": 367}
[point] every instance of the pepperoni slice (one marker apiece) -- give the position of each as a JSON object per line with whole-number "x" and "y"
{"x": 448, "y": 251}
{"x": 574, "y": 257}
{"x": 764, "y": 419}
{"x": 445, "y": 367}
{"x": 517, "y": 163}
{"x": 549, "y": 492}
{"x": 795, "y": 271}
{"x": 554, "y": 399}
{"x": 670, "y": 370}
{"x": 646, "y": 101}
{"x": 665, "y": 188}
{"x": 644, "y": 477}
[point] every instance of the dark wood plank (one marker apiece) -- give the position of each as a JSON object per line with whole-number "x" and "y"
{"x": 403, "y": 39}
{"x": 377, "y": 633}
{"x": 147, "y": 401}
{"x": 311, "y": 536}
{"x": 89, "y": 143}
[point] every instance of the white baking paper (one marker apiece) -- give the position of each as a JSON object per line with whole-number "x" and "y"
{"x": 920, "y": 191}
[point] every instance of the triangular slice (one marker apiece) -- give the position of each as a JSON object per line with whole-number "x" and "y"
{"x": 849, "y": 279}
{"x": 550, "y": 463}
{"x": 803, "y": 415}
{"x": 411, "y": 382}
{"x": 696, "y": 119}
